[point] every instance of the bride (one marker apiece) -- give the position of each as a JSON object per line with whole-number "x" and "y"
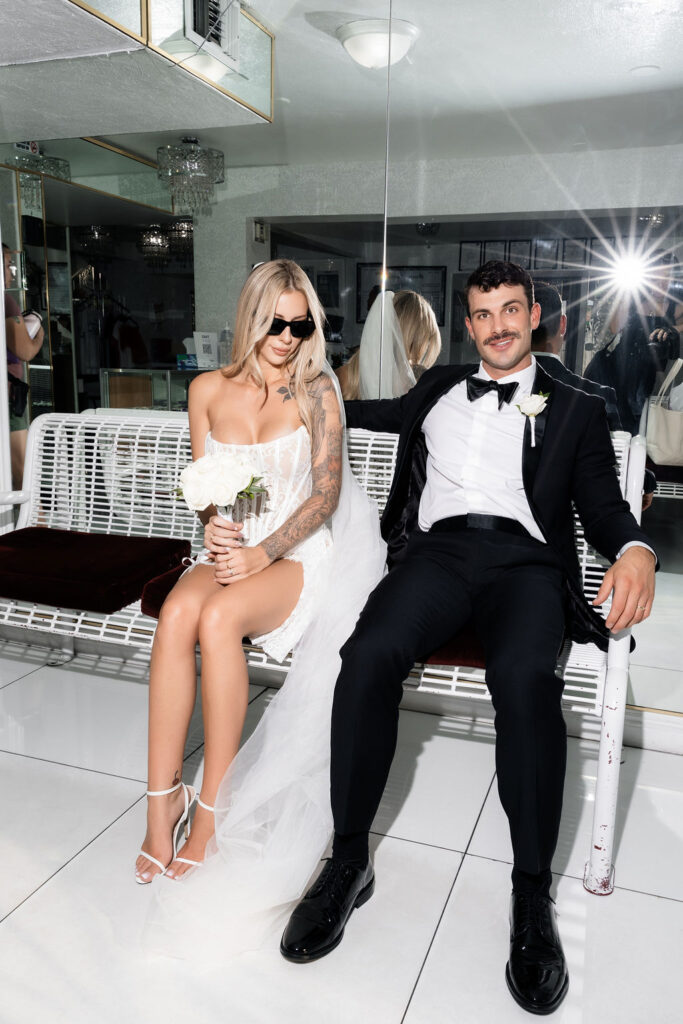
{"x": 293, "y": 574}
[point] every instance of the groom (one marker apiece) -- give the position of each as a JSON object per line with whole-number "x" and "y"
{"x": 479, "y": 526}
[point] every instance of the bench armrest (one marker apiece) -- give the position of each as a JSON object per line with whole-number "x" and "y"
{"x": 14, "y": 497}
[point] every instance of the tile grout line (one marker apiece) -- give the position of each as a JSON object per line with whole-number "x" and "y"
{"x": 71, "y": 858}
{"x": 100, "y": 833}
{"x": 75, "y": 767}
{"x": 450, "y": 891}
{"x": 100, "y": 771}
{"x": 30, "y": 672}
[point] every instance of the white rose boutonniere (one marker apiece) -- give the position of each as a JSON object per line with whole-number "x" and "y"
{"x": 531, "y": 406}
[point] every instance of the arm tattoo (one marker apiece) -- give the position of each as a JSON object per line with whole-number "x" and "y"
{"x": 326, "y": 468}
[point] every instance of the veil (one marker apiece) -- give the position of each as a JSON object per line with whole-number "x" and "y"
{"x": 383, "y": 364}
{"x": 273, "y": 814}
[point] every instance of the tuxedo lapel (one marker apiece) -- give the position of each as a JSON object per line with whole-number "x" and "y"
{"x": 531, "y": 456}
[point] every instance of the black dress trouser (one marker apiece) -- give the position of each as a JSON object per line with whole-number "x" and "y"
{"x": 511, "y": 587}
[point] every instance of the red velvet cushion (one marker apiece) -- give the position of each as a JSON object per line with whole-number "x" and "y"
{"x": 89, "y": 571}
{"x": 464, "y": 649}
{"x": 157, "y": 590}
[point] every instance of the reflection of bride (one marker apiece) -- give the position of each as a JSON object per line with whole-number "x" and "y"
{"x": 400, "y": 341}
{"x": 272, "y": 809}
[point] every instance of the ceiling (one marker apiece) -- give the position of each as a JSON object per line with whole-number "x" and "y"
{"x": 346, "y": 236}
{"x": 74, "y": 205}
{"x": 483, "y": 79}
{"x": 65, "y": 73}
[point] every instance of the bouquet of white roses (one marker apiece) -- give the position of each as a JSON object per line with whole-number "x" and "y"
{"x": 218, "y": 480}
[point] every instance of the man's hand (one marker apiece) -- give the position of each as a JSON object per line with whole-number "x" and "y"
{"x": 632, "y": 580}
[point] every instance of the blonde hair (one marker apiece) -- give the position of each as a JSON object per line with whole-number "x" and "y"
{"x": 349, "y": 377}
{"x": 421, "y": 340}
{"x": 419, "y": 328}
{"x": 255, "y": 311}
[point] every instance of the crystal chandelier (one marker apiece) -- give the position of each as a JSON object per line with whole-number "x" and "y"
{"x": 181, "y": 240}
{"x": 191, "y": 173}
{"x": 52, "y": 165}
{"x": 96, "y": 240}
{"x": 154, "y": 245}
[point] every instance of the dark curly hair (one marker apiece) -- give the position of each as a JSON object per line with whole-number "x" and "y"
{"x": 495, "y": 273}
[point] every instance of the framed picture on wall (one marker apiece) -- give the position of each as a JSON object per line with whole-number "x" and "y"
{"x": 458, "y": 312}
{"x": 470, "y": 255}
{"x": 546, "y": 252}
{"x": 430, "y": 282}
{"x": 494, "y": 250}
{"x": 327, "y": 287}
{"x": 602, "y": 252}
{"x": 519, "y": 252}
{"x": 575, "y": 252}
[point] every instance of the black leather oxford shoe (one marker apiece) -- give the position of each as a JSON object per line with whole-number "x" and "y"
{"x": 317, "y": 923}
{"x": 536, "y": 972}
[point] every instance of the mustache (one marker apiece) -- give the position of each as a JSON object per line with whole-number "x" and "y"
{"x": 502, "y": 336}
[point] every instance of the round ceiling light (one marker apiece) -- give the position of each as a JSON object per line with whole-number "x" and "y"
{"x": 367, "y": 41}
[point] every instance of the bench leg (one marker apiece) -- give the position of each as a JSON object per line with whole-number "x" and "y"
{"x": 61, "y": 655}
{"x": 599, "y": 873}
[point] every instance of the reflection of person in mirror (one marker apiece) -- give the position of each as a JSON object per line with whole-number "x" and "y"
{"x": 641, "y": 335}
{"x": 547, "y": 342}
{"x": 24, "y": 337}
{"x": 292, "y": 575}
{"x": 479, "y": 529}
{"x": 408, "y": 342}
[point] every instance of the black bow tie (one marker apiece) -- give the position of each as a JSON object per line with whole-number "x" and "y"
{"x": 476, "y": 387}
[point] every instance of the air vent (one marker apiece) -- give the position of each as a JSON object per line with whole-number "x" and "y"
{"x": 214, "y": 25}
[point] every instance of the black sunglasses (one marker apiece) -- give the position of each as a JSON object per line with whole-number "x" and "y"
{"x": 300, "y": 329}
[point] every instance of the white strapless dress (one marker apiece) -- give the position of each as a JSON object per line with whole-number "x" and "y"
{"x": 285, "y": 467}
{"x": 273, "y": 815}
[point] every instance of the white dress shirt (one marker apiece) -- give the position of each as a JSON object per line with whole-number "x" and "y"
{"x": 474, "y": 455}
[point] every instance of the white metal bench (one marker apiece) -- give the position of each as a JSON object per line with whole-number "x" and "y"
{"x": 116, "y": 473}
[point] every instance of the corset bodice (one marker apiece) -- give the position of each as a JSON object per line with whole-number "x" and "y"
{"x": 285, "y": 468}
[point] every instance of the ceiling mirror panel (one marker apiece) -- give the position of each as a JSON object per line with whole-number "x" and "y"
{"x": 528, "y": 139}
{"x": 297, "y": 186}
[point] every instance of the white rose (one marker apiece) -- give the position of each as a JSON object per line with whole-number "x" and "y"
{"x": 532, "y": 405}
{"x": 195, "y": 482}
{"x": 215, "y": 480}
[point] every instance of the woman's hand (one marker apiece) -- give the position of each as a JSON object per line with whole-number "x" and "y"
{"x": 238, "y": 563}
{"x": 221, "y": 536}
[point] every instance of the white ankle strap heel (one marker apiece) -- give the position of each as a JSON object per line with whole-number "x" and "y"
{"x": 190, "y": 795}
{"x": 186, "y": 860}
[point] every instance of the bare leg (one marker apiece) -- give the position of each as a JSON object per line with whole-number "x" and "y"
{"x": 172, "y": 693}
{"x": 249, "y": 608}
{"x": 17, "y": 446}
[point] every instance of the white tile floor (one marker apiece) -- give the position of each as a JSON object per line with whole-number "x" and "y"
{"x": 429, "y": 948}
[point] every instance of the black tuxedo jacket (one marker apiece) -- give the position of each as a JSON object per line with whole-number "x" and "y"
{"x": 573, "y": 460}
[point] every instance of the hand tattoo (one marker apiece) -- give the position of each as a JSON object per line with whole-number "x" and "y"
{"x": 326, "y": 468}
